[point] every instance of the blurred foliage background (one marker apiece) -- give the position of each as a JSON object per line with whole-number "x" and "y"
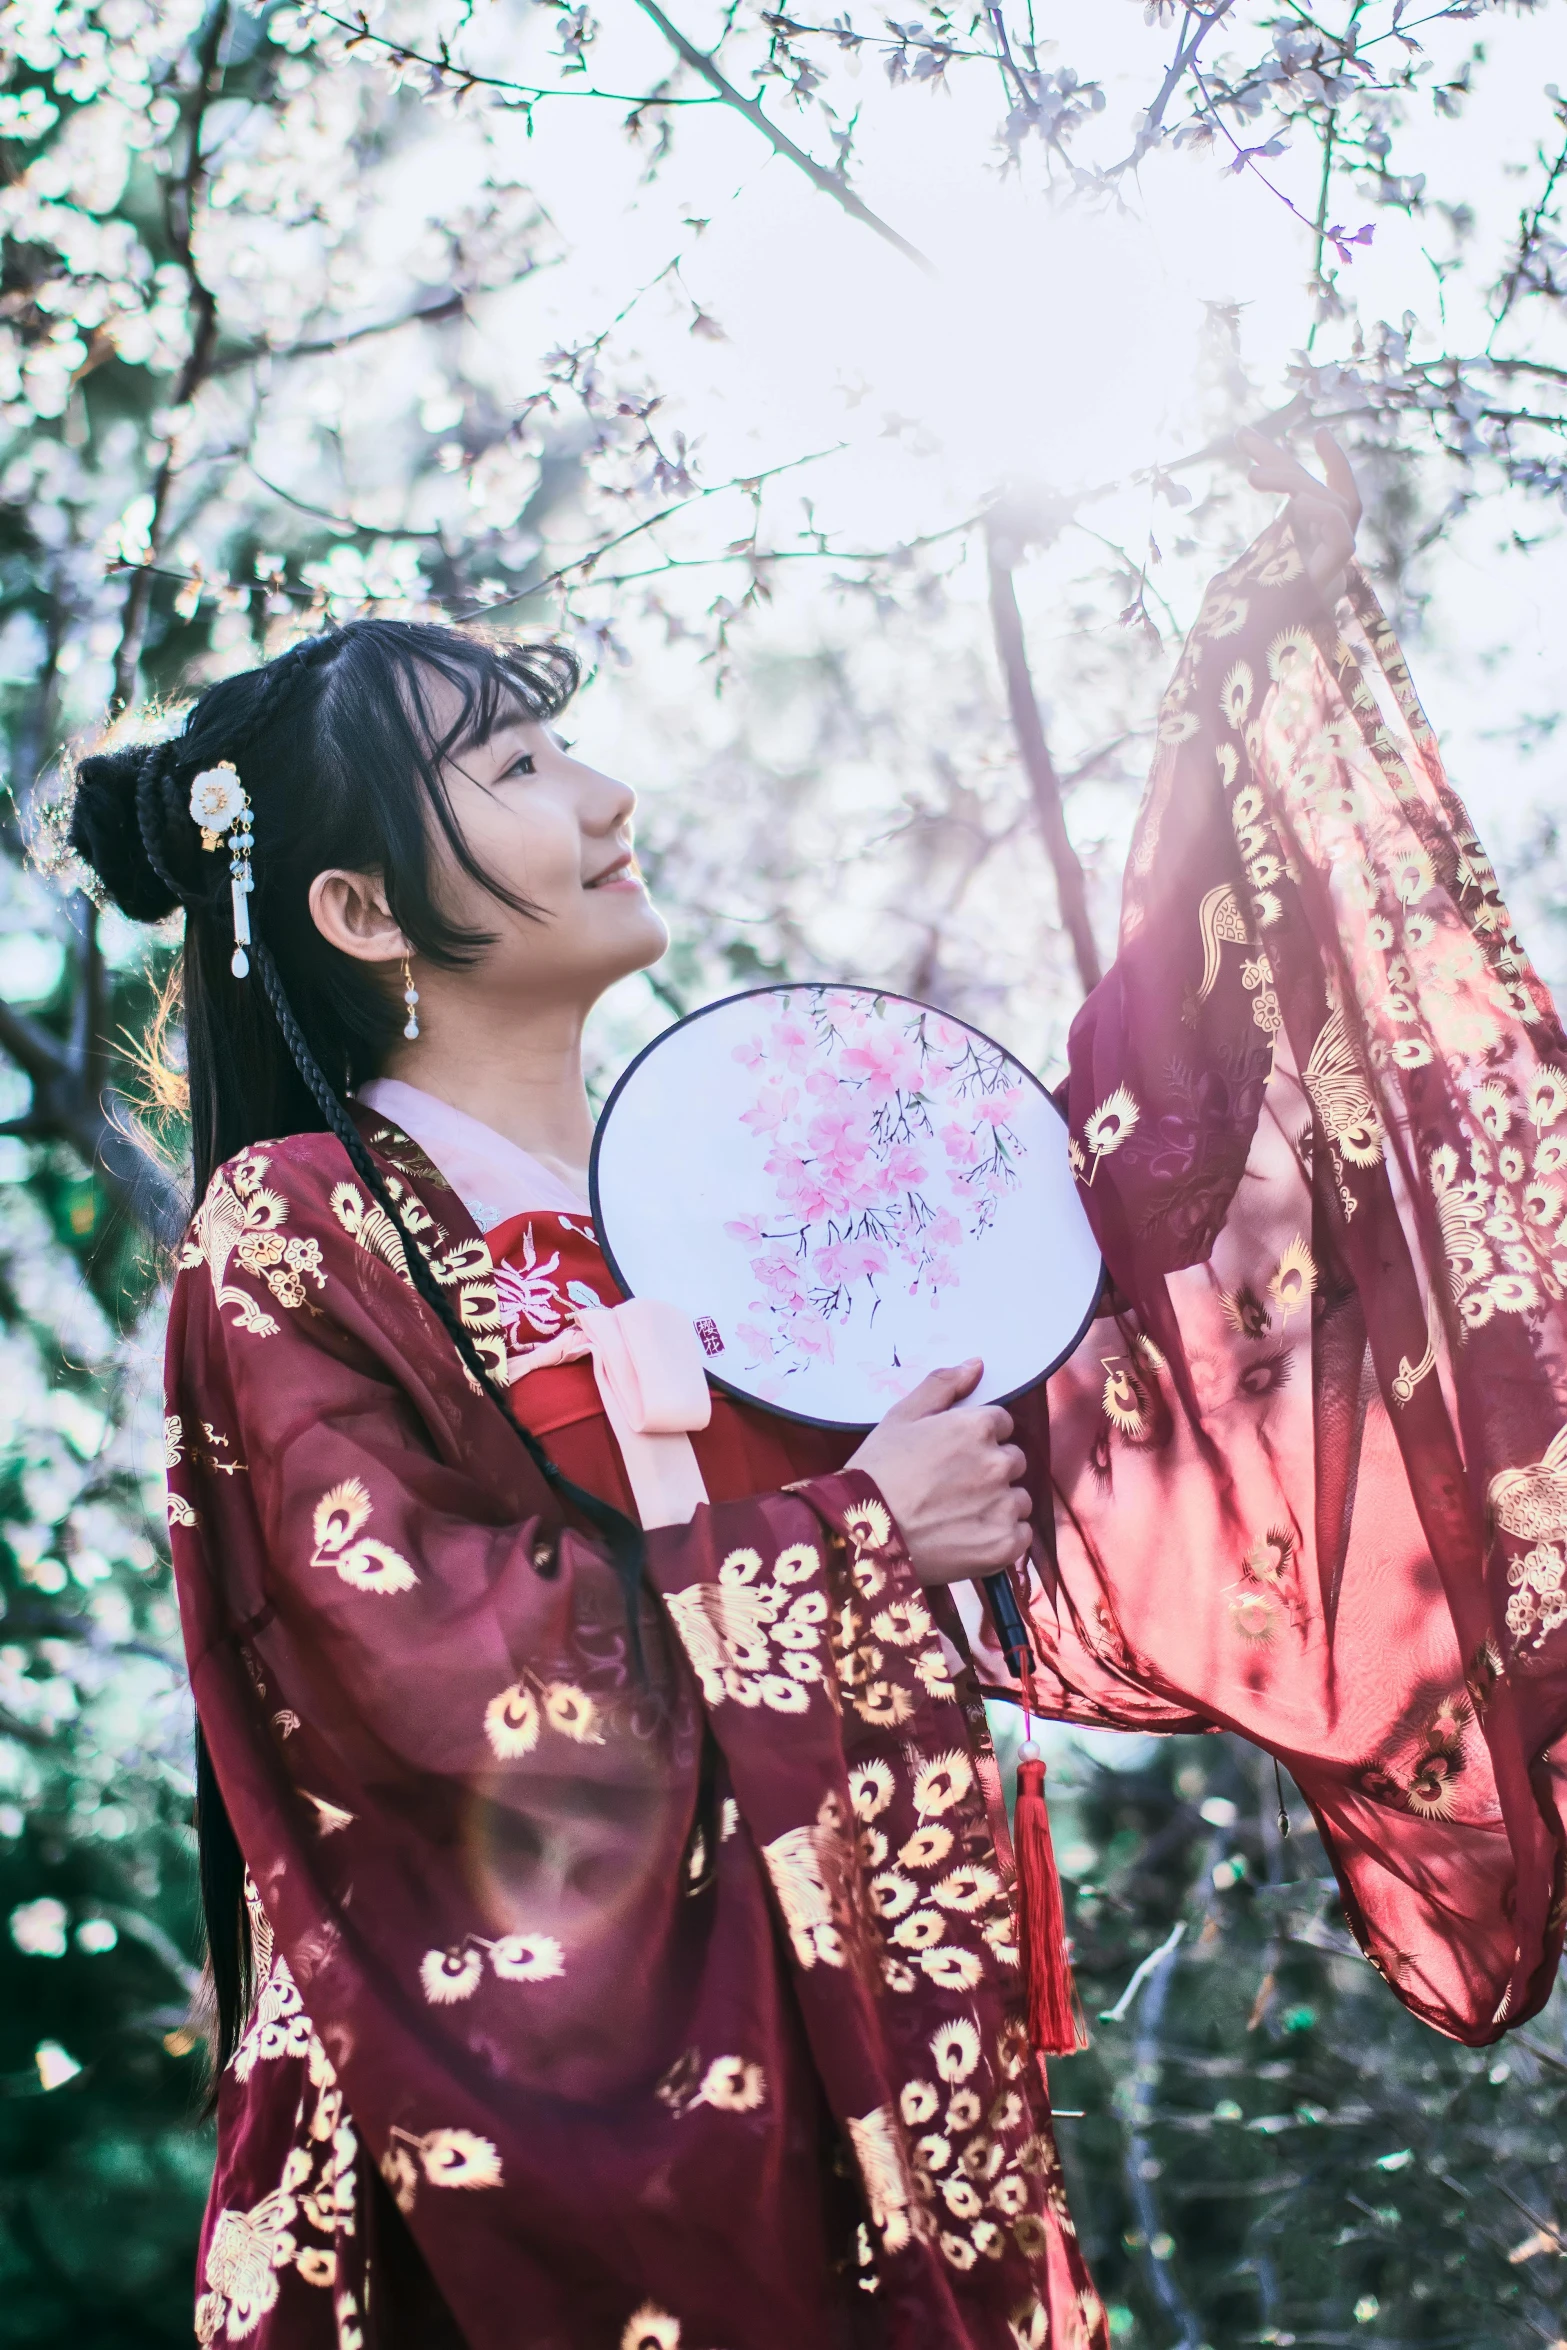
{"x": 857, "y": 395}
{"x": 1270, "y": 2150}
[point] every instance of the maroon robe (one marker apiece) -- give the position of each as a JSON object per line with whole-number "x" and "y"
{"x": 684, "y": 2014}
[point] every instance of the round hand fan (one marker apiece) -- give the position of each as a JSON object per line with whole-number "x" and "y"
{"x": 845, "y": 1189}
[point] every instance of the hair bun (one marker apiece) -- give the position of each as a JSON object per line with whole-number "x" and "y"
{"x": 106, "y": 826}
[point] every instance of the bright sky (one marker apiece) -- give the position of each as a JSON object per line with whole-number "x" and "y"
{"x": 1060, "y": 340}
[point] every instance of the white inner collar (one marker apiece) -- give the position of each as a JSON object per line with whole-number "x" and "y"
{"x": 493, "y": 1178}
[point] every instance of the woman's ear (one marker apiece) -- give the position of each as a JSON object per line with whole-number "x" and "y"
{"x": 351, "y": 913}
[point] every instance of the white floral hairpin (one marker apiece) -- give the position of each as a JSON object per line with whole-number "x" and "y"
{"x": 218, "y": 803}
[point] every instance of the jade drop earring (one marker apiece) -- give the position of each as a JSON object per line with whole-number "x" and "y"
{"x": 411, "y": 999}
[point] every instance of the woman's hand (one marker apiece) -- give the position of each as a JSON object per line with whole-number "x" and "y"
{"x": 1323, "y": 516}
{"x": 950, "y": 1479}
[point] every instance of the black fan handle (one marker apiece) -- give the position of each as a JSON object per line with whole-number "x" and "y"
{"x": 1007, "y": 1618}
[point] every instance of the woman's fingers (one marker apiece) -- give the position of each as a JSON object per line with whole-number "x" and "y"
{"x": 1013, "y": 1460}
{"x": 1326, "y": 539}
{"x": 938, "y": 1391}
{"x": 1003, "y": 1532}
{"x": 1003, "y": 1548}
{"x": 1341, "y": 475}
{"x": 1323, "y": 515}
{"x": 1299, "y": 486}
{"x": 1276, "y": 468}
{"x": 953, "y": 1479}
{"x": 1321, "y": 523}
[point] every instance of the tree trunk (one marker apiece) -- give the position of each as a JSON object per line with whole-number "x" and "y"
{"x": 1034, "y": 750}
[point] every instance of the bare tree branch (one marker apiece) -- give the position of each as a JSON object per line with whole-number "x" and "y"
{"x": 183, "y": 200}
{"x": 452, "y": 78}
{"x": 780, "y": 142}
{"x": 1002, "y": 550}
{"x": 97, "y": 1126}
{"x": 450, "y": 306}
{"x": 1529, "y": 228}
{"x": 347, "y": 524}
{"x": 1140, "y": 2168}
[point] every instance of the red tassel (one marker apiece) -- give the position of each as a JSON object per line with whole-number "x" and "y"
{"x": 1055, "y": 2015}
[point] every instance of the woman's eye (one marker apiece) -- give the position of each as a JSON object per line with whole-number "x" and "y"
{"x": 522, "y": 764}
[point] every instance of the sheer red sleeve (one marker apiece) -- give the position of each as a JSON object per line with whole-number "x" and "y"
{"x": 1311, "y": 1475}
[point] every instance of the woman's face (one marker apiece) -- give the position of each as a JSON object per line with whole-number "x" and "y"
{"x": 555, "y": 834}
{"x": 558, "y": 834}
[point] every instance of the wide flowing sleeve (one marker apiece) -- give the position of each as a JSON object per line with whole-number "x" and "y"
{"x": 1310, "y": 1465}
{"x": 491, "y": 1908}
{"x": 673, "y": 2005}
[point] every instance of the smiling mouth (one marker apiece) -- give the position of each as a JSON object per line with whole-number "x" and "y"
{"x": 624, "y": 869}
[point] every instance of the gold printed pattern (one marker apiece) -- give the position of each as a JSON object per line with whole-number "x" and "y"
{"x": 514, "y": 1718}
{"x": 1538, "y": 1603}
{"x": 1257, "y": 977}
{"x": 363, "y": 1562}
{"x": 1460, "y": 1209}
{"x": 1483, "y": 1221}
{"x": 440, "y": 2158}
{"x": 750, "y": 1640}
{"x": 1531, "y": 1505}
{"x": 1123, "y": 1398}
{"x": 934, "y": 1913}
{"x": 878, "y": 2149}
{"x": 331, "y": 1818}
{"x": 1107, "y": 1128}
{"x": 729, "y": 2084}
{"x": 466, "y": 1267}
{"x": 1409, "y": 1375}
{"x": 1294, "y": 1280}
{"x": 448, "y": 1976}
{"x": 279, "y": 2026}
{"x": 251, "y": 2249}
{"x": 1235, "y": 699}
{"x": 1341, "y": 1096}
{"x": 651, "y": 2328}
{"x": 240, "y": 1218}
{"x": 1219, "y": 923}
{"x": 814, "y": 1876}
{"x": 1532, "y": 1502}
{"x": 247, "y": 2251}
{"x": 371, "y": 1226}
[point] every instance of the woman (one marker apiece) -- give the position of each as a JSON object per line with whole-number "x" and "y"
{"x": 610, "y": 1927}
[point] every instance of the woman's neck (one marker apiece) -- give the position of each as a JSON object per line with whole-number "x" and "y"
{"x": 528, "y": 1086}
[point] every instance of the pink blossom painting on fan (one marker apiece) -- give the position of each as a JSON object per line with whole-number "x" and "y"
{"x": 879, "y": 1186}
{"x": 891, "y": 1134}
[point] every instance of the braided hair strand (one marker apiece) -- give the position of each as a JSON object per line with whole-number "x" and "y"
{"x": 622, "y": 1536}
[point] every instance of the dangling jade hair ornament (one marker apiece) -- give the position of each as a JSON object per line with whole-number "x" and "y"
{"x": 220, "y": 805}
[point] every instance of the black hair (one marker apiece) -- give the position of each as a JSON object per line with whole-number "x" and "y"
{"x": 340, "y": 754}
